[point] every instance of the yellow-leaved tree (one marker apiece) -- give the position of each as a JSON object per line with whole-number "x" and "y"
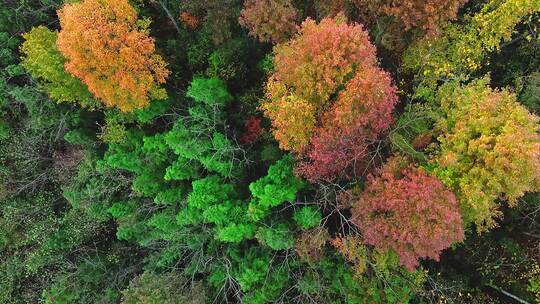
{"x": 489, "y": 149}
{"x": 460, "y": 50}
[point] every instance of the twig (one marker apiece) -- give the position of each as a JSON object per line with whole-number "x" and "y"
{"x": 506, "y": 293}
{"x": 171, "y": 17}
{"x": 531, "y": 235}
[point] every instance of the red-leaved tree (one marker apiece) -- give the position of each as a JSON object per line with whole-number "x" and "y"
{"x": 406, "y": 210}
{"x": 253, "y": 130}
{"x": 345, "y": 144}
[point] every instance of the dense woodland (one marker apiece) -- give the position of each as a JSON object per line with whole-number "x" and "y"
{"x": 269, "y": 151}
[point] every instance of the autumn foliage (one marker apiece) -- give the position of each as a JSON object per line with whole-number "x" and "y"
{"x": 310, "y": 244}
{"x": 425, "y": 15}
{"x": 293, "y": 121}
{"x": 489, "y": 149}
{"x": 269, "y": 20}
{"x": 318, "y": 60}
{"x": 110, "y": 51}
{"x": 191, "y": 21}
{"x": 406, "y": 210}
{"x": 362, "y": 112}
{"x": 328, "y": 98}
{"x": 253, "y": 130}
{"x": 461, "y": 50}
{"x": 353, "y": 249}
{"x": 326, "y": 8}
{"x": 304, "y": 151}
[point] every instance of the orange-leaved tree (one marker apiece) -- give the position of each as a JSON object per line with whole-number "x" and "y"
{"x": 310, "y": 68}
{"x": 327, "y": 98}
{"x": 111, "y": 52}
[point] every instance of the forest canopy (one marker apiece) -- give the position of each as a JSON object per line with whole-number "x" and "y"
{"x": 270, "y": 151}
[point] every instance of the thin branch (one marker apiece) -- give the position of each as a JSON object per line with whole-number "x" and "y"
{"x": 506, "y": 293}
{"x": 171, "y": 17}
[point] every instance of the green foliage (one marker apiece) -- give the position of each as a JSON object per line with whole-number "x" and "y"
{"x": 169, "y": 203}
{"x": 44, "y": 239}
{"x": 226, "y": 62}
{"x": 307, "y": 217}
{"x": 267, "y": 64}
{"x": 199, "y": 52}
{"x": 273, "y": 287}
{"x": 393, "y": 284}
{"x": 278, "y": 186}
{"x": 412, "y": 131}
{"x": 79, "y": 137}
{"x": 43, "y": 61}
{"x": 93, "y": 188}
{"x": 209, "y": 91}
{"x": 4, "y": 130}
{"x": 331, "y": 281}
{"x": 214, "y": 152}
{"x": 258, "y": 277}
{"x": 154, "y": 110}
{"x": 534, "y": 287}
{"x": 277, "y": 236}
{"x": 113, "y": 133}
{"x": 84, "y": 285}
{"x": 168, "y": 288}
{"x": 214, "y": 202}
{"x": 198, "y": 140}
{"x": 530, "y": 95}
{"x": 8, "y": 45}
